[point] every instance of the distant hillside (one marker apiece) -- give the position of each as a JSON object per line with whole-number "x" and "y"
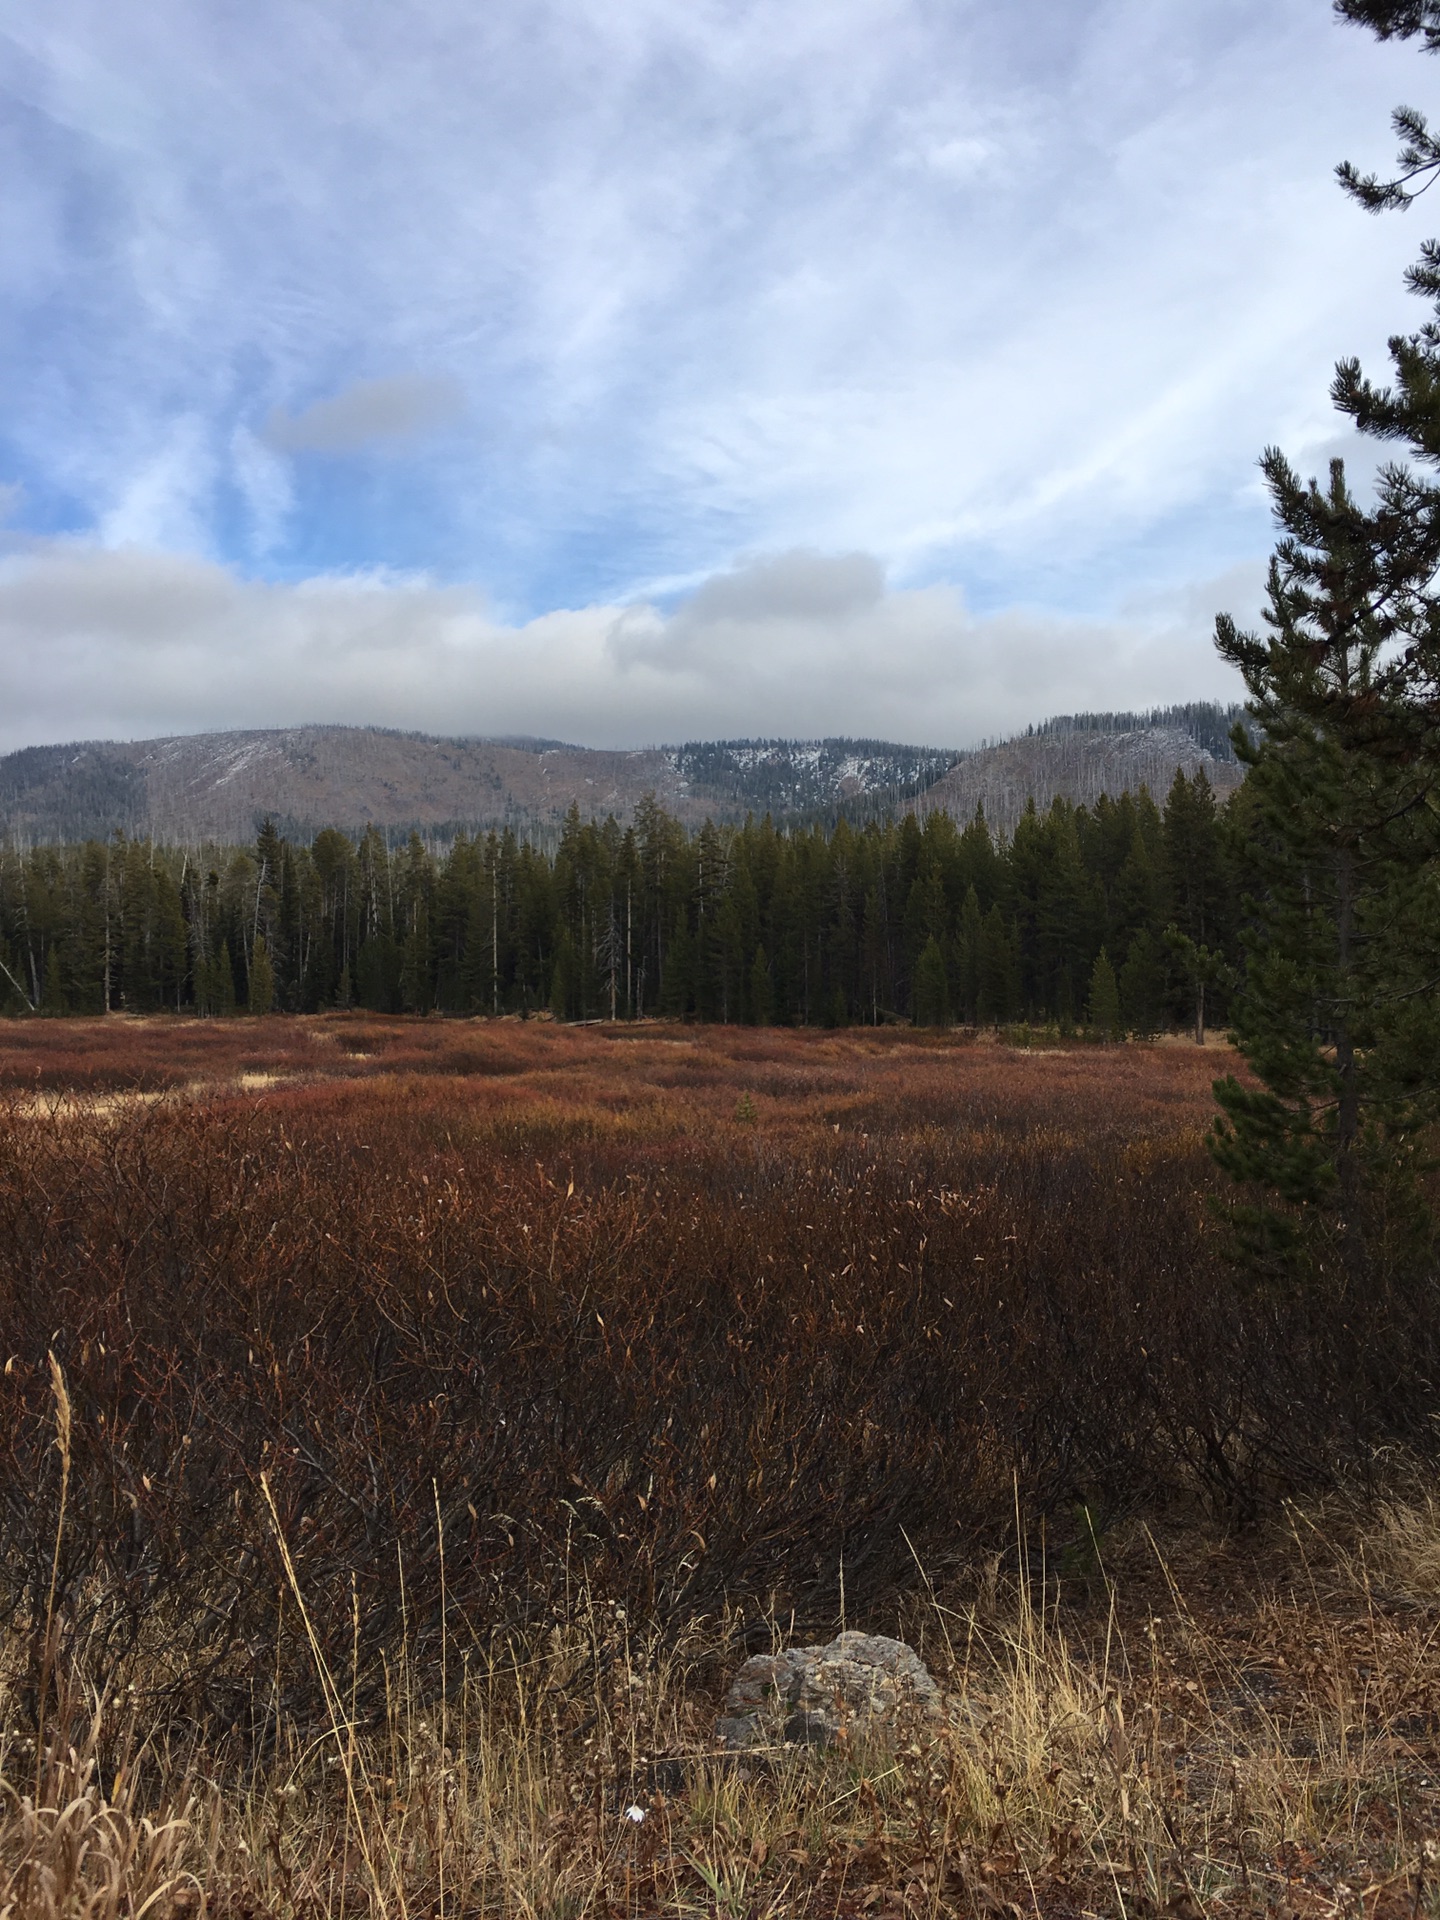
{"x": 222, "y": 786}
{"x": 805, "y": 777}
{"x": 1207, "y": 724}
{"x": 1081, "y": 756}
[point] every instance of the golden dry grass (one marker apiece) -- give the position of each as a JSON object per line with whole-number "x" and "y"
{"x": 1273, "y": 1756}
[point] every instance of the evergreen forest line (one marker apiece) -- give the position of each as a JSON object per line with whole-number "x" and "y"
{"x": 1124, "y": 916}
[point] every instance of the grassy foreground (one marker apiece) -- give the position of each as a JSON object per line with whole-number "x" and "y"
{"x": 1264, "y": 1742}
{"x": 407, "y": 1427}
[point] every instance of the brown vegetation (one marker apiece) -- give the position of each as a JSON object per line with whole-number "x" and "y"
{"x": 443, "y": 1414}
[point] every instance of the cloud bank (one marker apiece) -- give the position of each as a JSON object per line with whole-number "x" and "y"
{"x": 96, "y": 643}
{"x": 546, "y": 305}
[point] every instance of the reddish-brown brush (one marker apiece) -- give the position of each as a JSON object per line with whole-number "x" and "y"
{"x": 442, "y": 1406}
{"x": 708, "y": 1320}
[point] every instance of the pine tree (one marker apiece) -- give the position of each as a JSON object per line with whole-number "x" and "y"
{"x": 1104, "y": 998}
{"x": 1338, "y": 1014}
{"x": 222, "y": 982}
{"x": 171, "y": 939}
{"x": 1065, "y": 1004}
{"x": 931, "y": 1006}
{"x": 997, "y": 997}
{"x": 54, "y": 1000}
{"x": 1196, "y": 898}
{"x": 1067, "y": 907}
{"x": 94, "y": 931}
{"x": 972, "y": 936}
{"x": 565, "y": 979}
{"x": 1135, "y": 895}
{"x": 1407, "y": 413}
{"x": 1142, "y": 985}
{"x": 677, "y": 981}
{"x": 262, "y": 978}
{"x": 1396, "y": 19}
{"x": 762, "y": 993}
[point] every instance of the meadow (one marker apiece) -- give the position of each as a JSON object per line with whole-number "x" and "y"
{"x": 406, "y": 1426}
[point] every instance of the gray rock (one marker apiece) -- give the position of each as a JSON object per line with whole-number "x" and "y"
{"x": 857, "y": 1685}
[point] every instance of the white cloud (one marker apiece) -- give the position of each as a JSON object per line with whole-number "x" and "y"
{"x": 164, "y": 501}
{"x": 96, "y": 643}
{"x": 263, "y": 481}
{"x": 961, "y": 158}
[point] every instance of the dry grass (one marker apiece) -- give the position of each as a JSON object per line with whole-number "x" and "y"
{"x": 1276, "y": 1756}
{"x": 70, "y": 1850}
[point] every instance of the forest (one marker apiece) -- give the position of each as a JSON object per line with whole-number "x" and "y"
{"x": 1124, "y": 916}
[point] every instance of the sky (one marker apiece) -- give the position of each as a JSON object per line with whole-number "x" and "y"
{"x": 626, "y": 372}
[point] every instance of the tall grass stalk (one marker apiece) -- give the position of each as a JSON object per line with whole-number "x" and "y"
{"x": 342, "y": 1728}
{"x": 47, "y": 1658}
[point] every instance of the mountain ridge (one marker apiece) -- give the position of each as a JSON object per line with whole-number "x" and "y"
{"x": 220, "y": 786}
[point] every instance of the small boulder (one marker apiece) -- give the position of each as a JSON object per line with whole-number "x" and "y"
{"x": 857, "y": 1685}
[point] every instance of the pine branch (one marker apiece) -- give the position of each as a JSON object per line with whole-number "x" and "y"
{"x": 1395, "y": 19}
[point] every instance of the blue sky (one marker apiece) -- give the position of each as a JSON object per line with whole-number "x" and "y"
{"x": 635, "y": 371}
